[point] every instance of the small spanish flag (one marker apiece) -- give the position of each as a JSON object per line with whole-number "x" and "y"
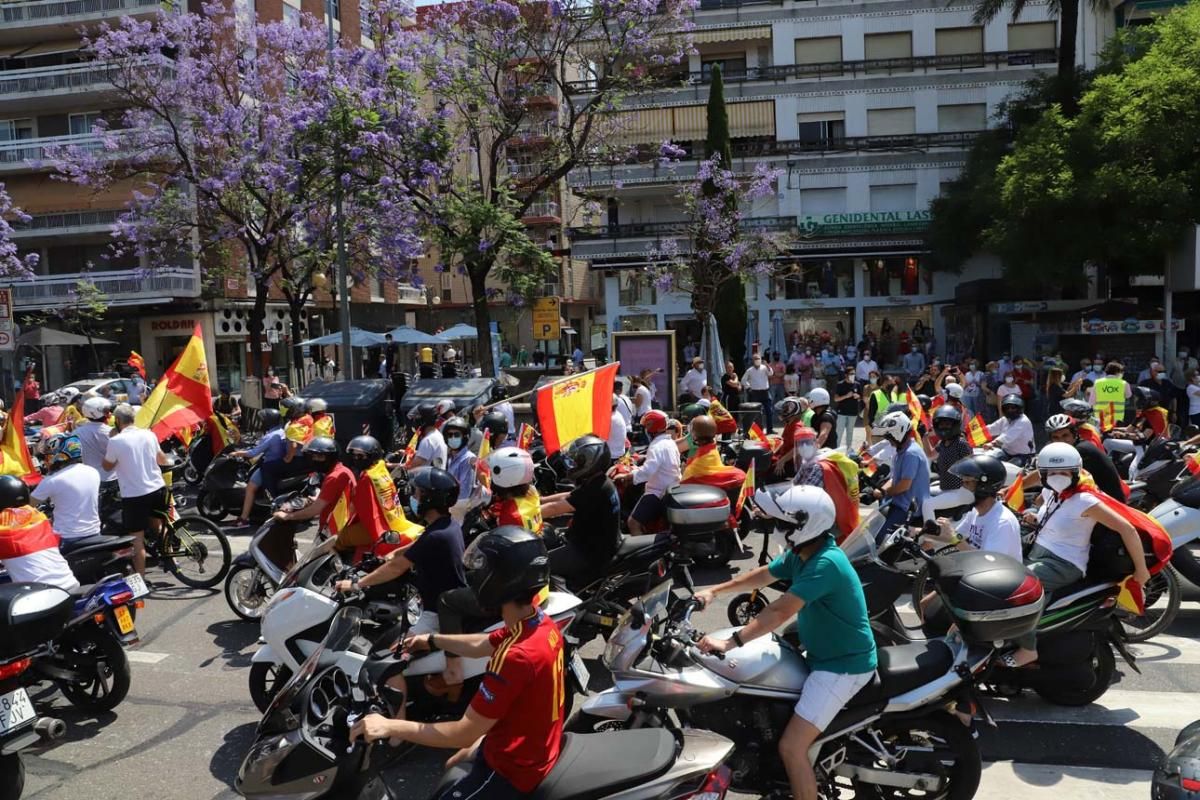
{"x": 756, "y": 433}
{"x": 1131, "y": 597}
{"x": 977, "y": 432}
{"x": 410, "y": 450}
{"x": 137, "y": 362}
{"x": 867, "y": 462}
{"x": 1014, "y": 498}
{"x": 746, "y": 492}
{"x": 14, "y": 452}
{"x": 1108, "y": 419}
{"x": 1193, "y": 463}
{"x": 525, "y": 436}
{"x": 482, "y": 471}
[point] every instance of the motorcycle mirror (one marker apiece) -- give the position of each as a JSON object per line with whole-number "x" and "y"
{"x": 391, "y": 537}
{"x": 687, "y": 579}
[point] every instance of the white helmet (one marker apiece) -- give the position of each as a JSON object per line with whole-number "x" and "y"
{"x": 1059, "y": 456}
{"x": 96, "y": 408}
{"x": 68, "y": 394}
{"x": 802, "y": 513}
{"x": 818, "y": 397}
{"x": 953, "y": 390}
{"x": 1059, "y": 422}
{"x": 895, "y": 426}
{"x": 316, "y": 405}
{"x": 510, "y": 466}
{"x": 444, "y": 407}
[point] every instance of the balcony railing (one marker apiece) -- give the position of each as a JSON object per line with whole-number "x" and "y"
{"x": 40, "y": 225}
{"x": 850, "y": 69}
{"x": 121, "y": 287}
{"x": 540, "y": 210}
{"x": 43, "y": 10}
{"x": 40, "y": 80}
{"x": 29, "y": 152}
{"x": 657, "y": 230}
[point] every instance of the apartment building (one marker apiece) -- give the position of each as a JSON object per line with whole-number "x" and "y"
{"x": 867, "y": 108}
{"x": 50, "y": 95}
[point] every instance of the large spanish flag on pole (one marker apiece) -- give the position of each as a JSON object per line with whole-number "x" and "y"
{"x": 576, "y": 406}
{"x": 14, "y": 453}
{"x": 183, "y": 397}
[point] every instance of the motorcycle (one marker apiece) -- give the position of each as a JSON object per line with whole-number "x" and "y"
{"x": 256, "y": 574}
{"x": 302, "y": 745}
{"x": 31, "y": 614}
{"x": 91, "y": 558}
{"x": 895, "y": 734}
{"x": 223, "y": 487}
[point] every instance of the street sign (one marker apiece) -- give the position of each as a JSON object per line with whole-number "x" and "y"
{"x": 8, "y": 341}
{"x": 546, "y": 319}
{"x": 6, "y": 316}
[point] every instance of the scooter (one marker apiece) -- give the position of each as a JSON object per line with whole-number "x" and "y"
{"x": 302, "y": 747}
{"x": 223, "y": 488}
{"x": 91, "y": 558}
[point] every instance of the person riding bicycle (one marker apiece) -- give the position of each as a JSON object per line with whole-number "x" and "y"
{"x": 1013, "y": 432}
{"x": 376, "y": 510}
{"x": 509, "y": 738}
{"x": 93, "y": 435}
{"x": 594, "y": 534}
{"x": 826, "y": 598}
{"x": 660, "y": 471}
{"x": 1065, "y": 522}
{"x": 72, "y": 487}
{"x": 1097, "y": 462}
{"x": 791, "y": 411}
{"x": 318, "y": 409}
{"x": 908, "y": 486}
{"x": 272, "y": 448}
{"x": 431, "y": 446}
{"x": 28, "y": 543}
{"x": 136, "y": 459}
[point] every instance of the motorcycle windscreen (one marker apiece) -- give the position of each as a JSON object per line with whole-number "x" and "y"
{"x": 342, "y": 629}
{"x": 860, "y": 544}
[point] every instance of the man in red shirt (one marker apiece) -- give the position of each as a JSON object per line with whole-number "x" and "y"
{"x": 791, "y": 411}
{"x": 334, "y": 505}
{"x": 518, "y": 710}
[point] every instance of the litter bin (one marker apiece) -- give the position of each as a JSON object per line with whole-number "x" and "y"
{"x": 358, "y": 407}
{"x": 748, "y": 414}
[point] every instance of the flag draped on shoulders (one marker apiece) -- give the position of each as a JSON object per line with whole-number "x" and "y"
{"x": 183, "y": 397}
{"x": 1155, "y": 539}
{"x": 14, "y": 452}
{"x": 1088, "y": 433}
{"x": 840, "y": 475}
{"x": 24, "y": 531}
{"x": 576, "y": 406}
{"x": 706, "y": 467}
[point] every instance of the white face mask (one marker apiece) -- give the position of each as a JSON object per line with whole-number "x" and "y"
{"x": 758, "y": 362}
{"x": 1059, "y": 483}
{"x": 806, "y": 452}
{"x": 454, "y": 442}
{"x": 1008, "y": 379}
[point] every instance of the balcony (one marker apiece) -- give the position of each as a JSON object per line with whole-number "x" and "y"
{"x": 848, "y": 70}
{"x": 65, "y": 224}
{"x": 542, "y": 213}
{"x": 410, "y": 295}
{"x": 121, "y": 288}
{"x": 51, "y": 88}
{"x": 49, "y": 20}
{"x": 635, "y": 238}
{"x": 28, "y": 154}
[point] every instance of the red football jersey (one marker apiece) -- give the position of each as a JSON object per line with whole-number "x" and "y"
{"x": 524, "y": 689}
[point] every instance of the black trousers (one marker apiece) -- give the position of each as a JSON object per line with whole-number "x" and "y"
{"x": 456, "y": 606}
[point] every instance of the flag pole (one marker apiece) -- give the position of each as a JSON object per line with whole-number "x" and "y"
{"x": 547, "y": 385}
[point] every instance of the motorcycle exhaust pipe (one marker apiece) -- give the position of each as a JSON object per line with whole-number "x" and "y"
{"x": 50, "y": 729}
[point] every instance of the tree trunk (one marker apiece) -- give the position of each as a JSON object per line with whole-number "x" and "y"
{"x": 92, "y": 346}
{"x": 258, "y": 313}
{"x": 295, "y": 308}
{"x": 1068, "y": 29}
{"x": 483, "y": 317}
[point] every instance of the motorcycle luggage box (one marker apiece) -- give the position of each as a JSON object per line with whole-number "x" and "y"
{"x": 992, "y": 597}
{"x": 696, "y": 509}
{"x": 757, "y": 453}
{"x": 31, "y": 614}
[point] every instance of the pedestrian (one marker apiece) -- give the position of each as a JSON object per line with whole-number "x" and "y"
{"x": 506, "y": 359}
{"x": 806, "y": 370}
{"x": 731, "y": 387}
{"x": 791, "y": 382}
{"x": 329, "y": 371}
{"x": 577, "y": 357}
{"x": 866, "y": 366}
{"x": 848, "y": 404}
{"x": 32, "y": 391}
{"x": 914, "y": 365}
{"x": 778, "y": 370}
{"x": 136, "y": 460}
{"x": 523, "y": 357}
{"x": 390, "y": 352}
{"x": 757, "y": 382}
{"x": 973, "y": 380}
{"x": 694, "y": 381}
{"x": 383, "y": 369}
{"x": 1193, "y": 396}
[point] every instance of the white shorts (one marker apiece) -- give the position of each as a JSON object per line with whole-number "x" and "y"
{"x": 826, "y": 693}
{"x": 426, "y": 623}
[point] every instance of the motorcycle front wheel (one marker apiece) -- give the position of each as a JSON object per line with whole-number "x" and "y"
{"x": 247, "y": 591}
{"x": 935, "y": 745}
{"x": 210, "y": 507}
{"x": 745, "y": 607}
{"x": 98, "y": 653}
{"x": 266, "y": 680}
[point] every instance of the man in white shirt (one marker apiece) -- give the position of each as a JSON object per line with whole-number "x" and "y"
{"x": 864, "y": 368}
{"x": 93, "y": 435}
{"x": 660, "y": 471}
{"x": 623, "y": 405}
{"x": 618, "y": 430}
{"x": 72, "y": 487}
{"x": 989, "y": 525}
{"x": 135, "y": 458}
{"x": 696, "y": 378}
{"x": 1013, "y": 432}
{"x": 757, "y": 383}
{"x": 642, "y": 399}
{"x": 431, "y": 447}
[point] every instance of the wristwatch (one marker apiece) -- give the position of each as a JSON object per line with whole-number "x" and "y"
{"x": 737, "y": 639}
{"x": 433, "y": 648}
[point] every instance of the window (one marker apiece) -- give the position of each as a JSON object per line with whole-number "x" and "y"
{"x": 889, "y": 47}
{"x": 826, "y": 127}
{"x": 821, "y": 50}
{"x": 635, "y": 289}
{"x": 891, "y": 121}
{"x": 822, "y": 201}
{"x": 733, "y": 67}
{"x": 291, "y": 16}
{"x": 1032, "y": 36}
{"x": 894, "y": 197}
{"x": 809, "y": 280}
{"x": 896, "y": 276}
{"x": 81, "y": 124}
{"x": 955, "y": 46}
{"x": 377, "y": 287}
{"x": 335, "y": 8}
{"x": 16, "y": 130}
{"x": 962, "y": 117}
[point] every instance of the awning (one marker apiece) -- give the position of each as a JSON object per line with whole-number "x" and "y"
{"x": 685, "y": 123}
{"x": 752, "y": 119}
{"x": 42, "y": 48}
{"x": 49, "y": 337}
{"x": 702, "y": 35}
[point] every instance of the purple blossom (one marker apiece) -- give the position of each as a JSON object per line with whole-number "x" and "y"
{"x": 12, "y": 264}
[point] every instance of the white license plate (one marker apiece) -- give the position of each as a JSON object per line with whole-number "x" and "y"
{"x": 580, "y": 671}
{"x": 138, "y": 584}
{"x": 15, "y": 710}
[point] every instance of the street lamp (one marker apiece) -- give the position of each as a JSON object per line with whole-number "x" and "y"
{"x": 342, "y": 277}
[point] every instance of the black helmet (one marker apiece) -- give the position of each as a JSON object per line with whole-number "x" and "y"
{"x": 587, "y": 457}
{"x": 322, "y": 453}
{"x": 269, "y": 418}
{"x": 1012, "y": 406}
{"x": 925, "y": 400}
{"x": 424, "y": 414}
{"x": 506, "y": 564}
{"x": 362, "y": 452}
{"x": 499, "y": 392}
{"x": 439, "y": 489}
{"x": 495, "y": 423}
{"x": 989, "y": 471}
{"x": 947, "y": 422}
{"x": 1080, "y": 410}
{"x": 293, "y": 407}
{"x": 1177, "y": 776}
{"x": 13, "y": 492}
{"x": 1146, "y": 398}
{"x": 456, "y": 424}
{"x": 690, "y": 412}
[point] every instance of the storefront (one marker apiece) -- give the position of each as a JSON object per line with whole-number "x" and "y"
{"x": 164, "y": 338}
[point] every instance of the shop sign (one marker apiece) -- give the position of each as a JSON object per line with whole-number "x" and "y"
{"x": 861, "y": 223}
{"x": 6, "y": 316}
{"x": 177, "y": 325}
{"x": 1104, "y": 327}
{"x": 1034, "y": 306}
{"x": 266, "y": 346}
{"x": 899, "y": 301}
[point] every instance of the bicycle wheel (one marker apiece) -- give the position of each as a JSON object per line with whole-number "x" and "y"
{"x": 1162, "y": 596}
{"x": 196, "y": 552}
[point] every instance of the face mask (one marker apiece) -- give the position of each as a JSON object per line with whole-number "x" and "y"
{"x": 1059, "y": 483}
{"x": 758, "y": 362}
{"x": 1008, "y": 378}
{"x": 806, "y": 452}
{"x": 974, "y": 366}
{"x": 414, "y": 503}
{"x": 808, "y": 352}
{"x": 1097, "y": 366}
{"x": 454, "y": 442}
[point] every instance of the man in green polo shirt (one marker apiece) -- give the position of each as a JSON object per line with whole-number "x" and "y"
{"x": 826, "y": 597}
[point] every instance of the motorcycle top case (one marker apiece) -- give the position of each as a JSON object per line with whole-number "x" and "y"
{"x": 757, "y": 453}
{"x": 31, "y": 614}
{"x": 991, "y": 596}
{"x": 696, "y": 509}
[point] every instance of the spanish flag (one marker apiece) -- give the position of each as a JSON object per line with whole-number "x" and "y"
{"x": 1108, "y": 419}
{"x": 482, "y": 471}
{"x": 1157, "y": 417}
{"x": 1131, "y": 598}
{"x": 1155, "y": 539}
{"x": 746, "y": 493}
{"x": 1014, "y": 498}
{"x": 756, "y": 433}
{"x": 706, "y": 467}
{"x": 183, "y": 398}
{"x": 410, "y": 450}
{"x": 977, "y": 432}
{"x": 1088, "y": 433}
{"x": 24, "y": 530}
{"x": 525, "y": 435}
{"x": 840, "y": 475}
{"x": 867, "y": 462}
{"x": 916, "y": 411}
{"x": 1193, "y": 463}
{"x": 223, "y": 432}
{"x": 726, "y": 424}
{"x": 137, "y": 362}
{"x": 576, "y": 406}
{"x": 14, "y": 452}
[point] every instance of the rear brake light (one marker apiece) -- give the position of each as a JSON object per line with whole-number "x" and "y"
{"x": 139, "y": 603}
{"x": 715, "y": 785}
{"x": 1029, "y": 592}
{"x": 126, "y": 553}
{"x": 15, "y": 668}
{"x": 120, "y": 598}
{"x": 1191, "y": 784}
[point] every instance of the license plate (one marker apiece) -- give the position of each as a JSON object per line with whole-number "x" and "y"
{"x": 138, "y": 584}
{"x": 580, "y": 671}
{"x": 124, "y": 619}
{"x": 15, "y": 710}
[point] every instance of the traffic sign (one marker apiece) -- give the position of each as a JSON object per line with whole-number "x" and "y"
{"x": 546, "y": 319}
{"x": 8, "y": 341}
{"x": 6, "y": 316}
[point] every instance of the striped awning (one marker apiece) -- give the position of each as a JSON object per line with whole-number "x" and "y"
{"x": 684, "y": 123}
{"x": 704, "y": 35}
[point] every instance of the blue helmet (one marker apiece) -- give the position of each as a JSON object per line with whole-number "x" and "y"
{"x": 63, "y": 450}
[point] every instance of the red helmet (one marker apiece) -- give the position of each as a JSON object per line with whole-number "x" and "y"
{"x": 654, "y": 421}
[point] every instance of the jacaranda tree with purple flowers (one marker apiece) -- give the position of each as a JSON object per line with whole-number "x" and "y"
{"x": 523, "y": 90}
{"x": 12, "y": 264}
{"x": 233, "y": 136}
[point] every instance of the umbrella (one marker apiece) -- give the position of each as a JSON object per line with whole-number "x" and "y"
{"x": 358, "y": 338}
{"x": 407, "y": 335}
{"x": 778, "y": 339}
{"x": 751, "y": 331}
{"x": 460, "y": 331}
{"x": 712, "y": 354}
{"x": 49, "y": 337}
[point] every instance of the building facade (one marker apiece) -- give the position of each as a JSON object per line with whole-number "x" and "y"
{"x": 867, "y": 109}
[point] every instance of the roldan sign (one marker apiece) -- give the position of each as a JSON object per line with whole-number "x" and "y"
{"x": 171, "y": 325}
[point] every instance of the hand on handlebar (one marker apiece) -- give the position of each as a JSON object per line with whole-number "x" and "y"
{"x": 717, "y": 647}
{"x": 704, "y": 597}
{"x": 416, "y": 644}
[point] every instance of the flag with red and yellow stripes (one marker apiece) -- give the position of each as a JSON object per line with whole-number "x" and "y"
{"x": 24, "y": 530}
{"x": 525, "y": 435}
{"x": 756, "y": 433}
{"x": 1193, "y": 463}
{"x": 14, "y": 452}
{"x": 482, "y": 472}
{"x": 183, "y": 397}
{"x": 1014, "y": 498}
{"x": 977, "y": 431}
{"x": 137, "y": 362}
{"x": 576, "y": 406}
{"x": 707, "y": 467}
{"x": 867, "y": 462}
{"x": 746, "y": 493}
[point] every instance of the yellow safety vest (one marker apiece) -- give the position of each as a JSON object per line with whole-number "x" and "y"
{"x": 1110, "y": 397}
{"x": 882, "y": 401}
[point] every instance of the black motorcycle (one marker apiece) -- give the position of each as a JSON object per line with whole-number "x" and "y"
{"x": 223, "y": 488}
{"x": 92, "y": 558}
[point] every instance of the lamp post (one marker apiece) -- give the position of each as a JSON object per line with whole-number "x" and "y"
{"x": 343, "y": 286}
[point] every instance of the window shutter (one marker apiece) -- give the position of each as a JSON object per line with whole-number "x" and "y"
{"x": 964, "y": 117}
{"x": 891, "y": 121}
{"x": 1032, "y": 36}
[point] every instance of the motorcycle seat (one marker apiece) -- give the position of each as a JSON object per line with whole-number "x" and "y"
{"x": 1077, "y": 586}
{"x": 632, "y": 544}
{"x": 598, "y": 765}
{"x": 903, "y": 668}
{"x": 86, "y": 544}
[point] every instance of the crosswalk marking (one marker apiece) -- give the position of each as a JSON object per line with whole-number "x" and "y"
{"x": 1166, "y": 649}
{"x": 145, "y": 656}
{"x": 1118, "y": 707}
{"x": 1004, "y": 780}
